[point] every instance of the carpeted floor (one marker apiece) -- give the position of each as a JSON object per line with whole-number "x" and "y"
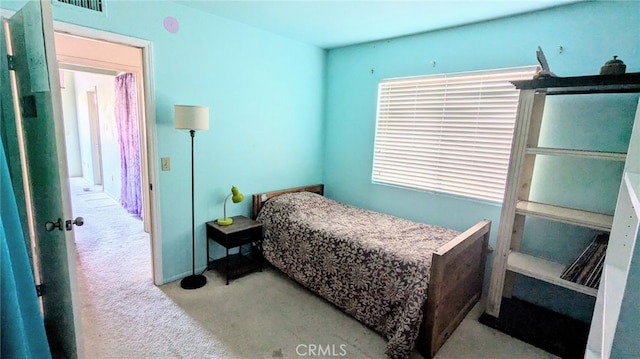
{"x": 261, "y": 315}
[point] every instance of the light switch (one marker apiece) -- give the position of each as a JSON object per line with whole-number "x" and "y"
{"x": 166, "y": 163}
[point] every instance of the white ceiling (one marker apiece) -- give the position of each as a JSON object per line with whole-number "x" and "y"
{"x": 332, "y": 23}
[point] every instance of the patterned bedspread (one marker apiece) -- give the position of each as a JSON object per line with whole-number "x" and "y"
{"x": 373, "y": 266}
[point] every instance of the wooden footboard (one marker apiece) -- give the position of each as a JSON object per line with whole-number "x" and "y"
{"x": 455, "y": 286}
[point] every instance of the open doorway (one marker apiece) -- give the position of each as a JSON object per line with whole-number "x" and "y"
{"x": 98, "y": 149}
{"x": 90, "y": 70}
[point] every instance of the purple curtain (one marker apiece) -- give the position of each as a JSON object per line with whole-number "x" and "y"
{"x": 128, "y": 129}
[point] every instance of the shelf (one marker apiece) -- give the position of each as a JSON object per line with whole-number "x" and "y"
{"x": 629, "y": 82}
{"x": 516, "y": 209}
{"x": 609, "y": 156}
{"x": 544, "y": 270}
{"x": 239, "y": 264}
{"x": 566, "y": 215}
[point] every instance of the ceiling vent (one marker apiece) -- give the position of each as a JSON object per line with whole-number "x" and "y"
{"x": 95, "y": 5}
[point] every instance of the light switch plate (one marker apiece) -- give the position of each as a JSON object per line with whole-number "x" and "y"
{"x": 166, "y": 163}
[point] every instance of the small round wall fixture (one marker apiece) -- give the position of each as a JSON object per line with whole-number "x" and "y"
{"x": 171, "y": 24}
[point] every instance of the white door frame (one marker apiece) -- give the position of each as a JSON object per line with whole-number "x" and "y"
{"x": 150, "y": 171}
{"x": 150, "y": 187}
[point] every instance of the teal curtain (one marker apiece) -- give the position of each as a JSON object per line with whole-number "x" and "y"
{"x": 22, "y": 331}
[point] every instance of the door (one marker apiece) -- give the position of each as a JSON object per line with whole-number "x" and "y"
{"x": 36, "y": 87}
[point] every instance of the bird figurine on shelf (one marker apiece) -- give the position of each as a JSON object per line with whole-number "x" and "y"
{"x": 545, "y": 71}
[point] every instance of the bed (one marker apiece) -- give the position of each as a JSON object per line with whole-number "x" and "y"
{"x": 413, "y": 283}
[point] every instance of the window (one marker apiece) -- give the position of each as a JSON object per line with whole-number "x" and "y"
{"x": 448, "y": 133}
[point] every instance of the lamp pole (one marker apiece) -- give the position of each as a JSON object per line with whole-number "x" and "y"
{"x": 193, "y": 208}
{"x": 194, "y": 281}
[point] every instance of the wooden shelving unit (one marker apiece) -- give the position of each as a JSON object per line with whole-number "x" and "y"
{"x": 517, "y": 207}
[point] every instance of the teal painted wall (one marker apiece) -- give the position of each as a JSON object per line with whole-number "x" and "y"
{"x": 590, "y": 33}
{"x": 265, "y": 95}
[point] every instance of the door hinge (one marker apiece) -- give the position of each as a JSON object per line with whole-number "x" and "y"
{"x": 39, "y": 288}
{"x": 10, "y": 62}
{"x": 150, "y": 186}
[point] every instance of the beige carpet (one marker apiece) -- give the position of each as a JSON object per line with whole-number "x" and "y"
{"x": 261, "y": 315}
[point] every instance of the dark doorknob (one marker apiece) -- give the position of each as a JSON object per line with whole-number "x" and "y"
{"x": 50, "y": 226}
{"x": 79, "y": 221}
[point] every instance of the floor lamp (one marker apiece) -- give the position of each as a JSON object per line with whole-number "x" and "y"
{"x": 192, "y": 118}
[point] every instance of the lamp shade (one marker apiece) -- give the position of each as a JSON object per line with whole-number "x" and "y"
{"x": 236, "y": 197}
{"x": 191, "y": 117}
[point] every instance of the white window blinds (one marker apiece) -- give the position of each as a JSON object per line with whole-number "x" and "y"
{"x": 448, "y": 133}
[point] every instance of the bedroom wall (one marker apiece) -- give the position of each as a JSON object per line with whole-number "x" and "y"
{"x": 590, "y": 34}
{"x": 265, "y": 95}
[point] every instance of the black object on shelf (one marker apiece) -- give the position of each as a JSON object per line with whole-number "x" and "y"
{"x": 586, "y": 269}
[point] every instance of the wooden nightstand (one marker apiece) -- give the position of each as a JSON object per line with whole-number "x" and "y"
{"x": 242, "y": 231}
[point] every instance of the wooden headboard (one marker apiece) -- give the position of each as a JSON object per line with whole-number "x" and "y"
{"x": 260, "y": 198}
